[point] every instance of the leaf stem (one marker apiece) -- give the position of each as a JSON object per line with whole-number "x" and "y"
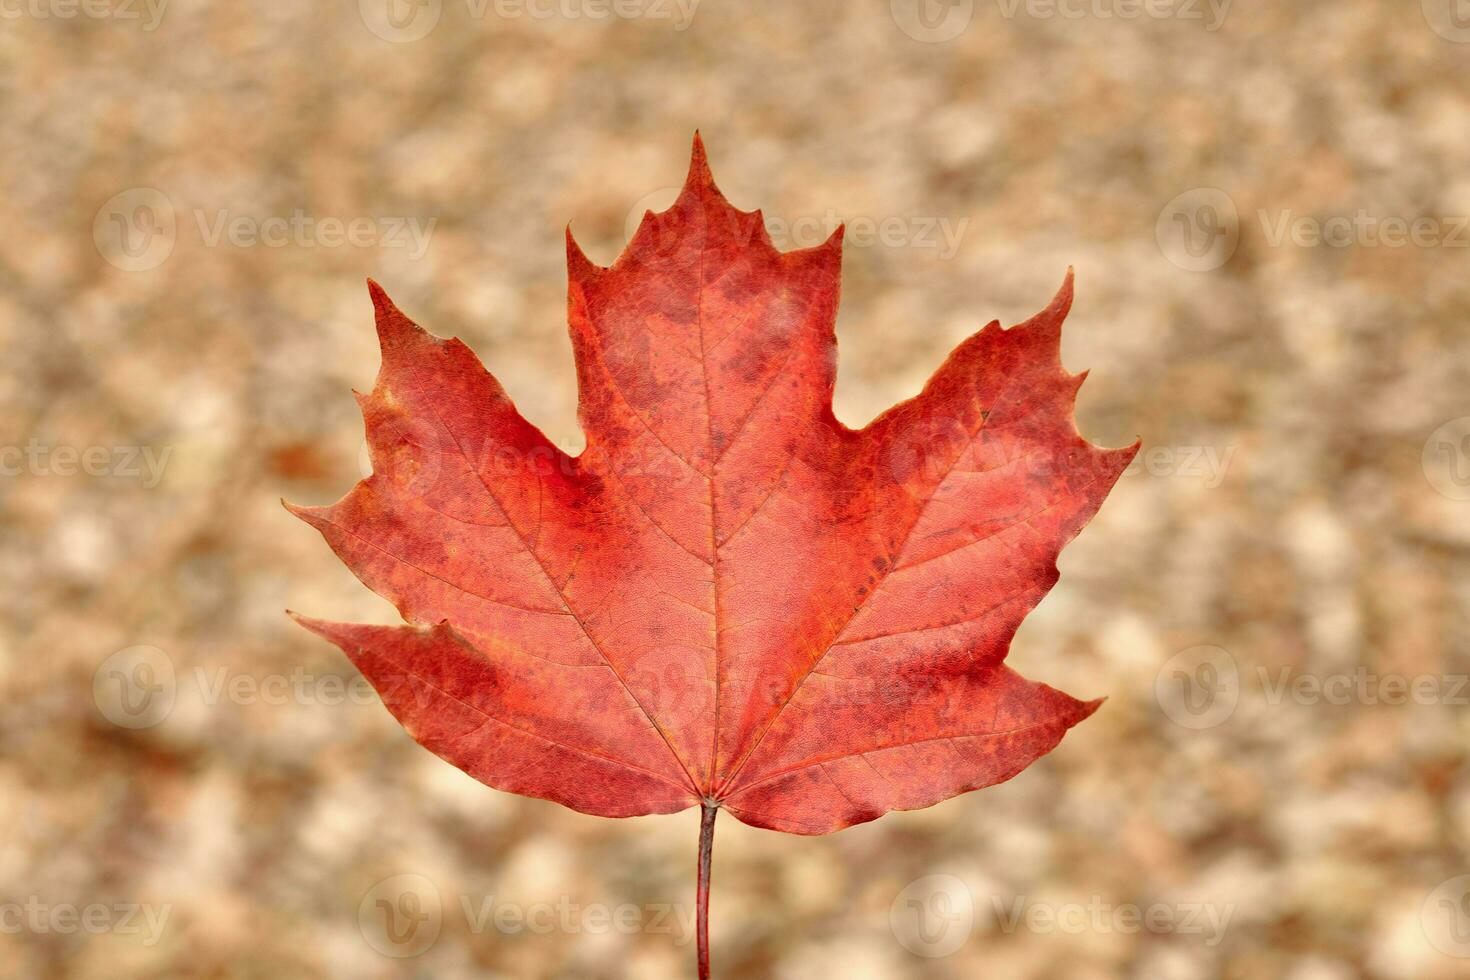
{"x": 706, "y": 850}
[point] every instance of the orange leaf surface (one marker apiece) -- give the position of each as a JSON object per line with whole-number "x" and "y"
{"x": 729, "y": 598}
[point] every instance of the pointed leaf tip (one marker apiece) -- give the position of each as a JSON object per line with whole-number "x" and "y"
{"x": 833, "y": 243}
{"x": 393, "y": 325}
{"x": 379, "y": 295}
{"x": 1048, "y": 322}
{"x": 311, "y": 515}
{"x": 1062, "y": 303}
{"x": 699, "y": 171}
{"x": 305, "y": 622}
{"x": 579, "y": 266}
{"x": 325, "y": 629}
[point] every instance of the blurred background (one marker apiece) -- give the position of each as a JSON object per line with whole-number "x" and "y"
{"x": 1268, "y": 208}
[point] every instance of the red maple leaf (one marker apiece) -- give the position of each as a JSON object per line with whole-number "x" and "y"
{"x": 729, "y": 599}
